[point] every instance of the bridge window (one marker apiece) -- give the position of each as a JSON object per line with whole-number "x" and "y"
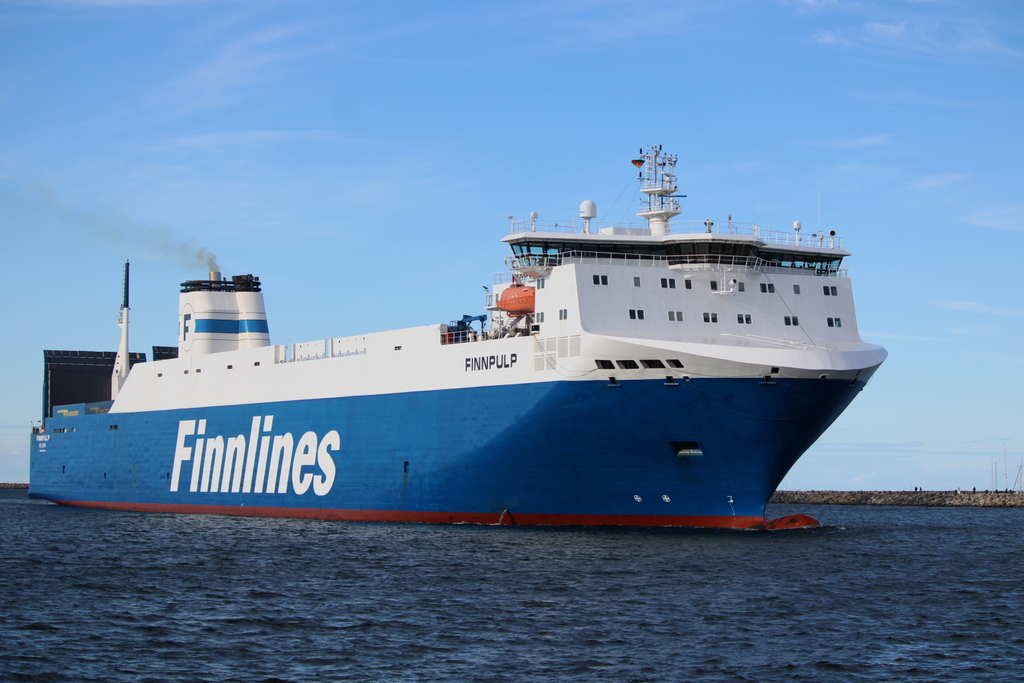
{"x": 830, "y": 291}
{"x": 600, "y": 279}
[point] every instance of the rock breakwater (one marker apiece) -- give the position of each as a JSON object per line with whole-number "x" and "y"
{"x": 1000, "y": 499}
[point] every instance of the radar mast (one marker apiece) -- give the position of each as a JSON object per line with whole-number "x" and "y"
{"x": 658, "y": 182}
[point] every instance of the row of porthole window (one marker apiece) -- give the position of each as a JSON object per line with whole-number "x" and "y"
{"x": 632, "y": 364}
{"x": 563, "y": 314}
{"x": 766, "y": 287}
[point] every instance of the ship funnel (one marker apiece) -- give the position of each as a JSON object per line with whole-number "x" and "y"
{"x": 221, "y": 315}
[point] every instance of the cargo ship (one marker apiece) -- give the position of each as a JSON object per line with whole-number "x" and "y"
{"x": 662, "y": 374}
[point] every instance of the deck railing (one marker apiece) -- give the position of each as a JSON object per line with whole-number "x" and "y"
{"x": 818, "y": 240}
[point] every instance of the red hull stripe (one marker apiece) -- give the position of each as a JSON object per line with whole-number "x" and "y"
{"x": 431, "y": 517}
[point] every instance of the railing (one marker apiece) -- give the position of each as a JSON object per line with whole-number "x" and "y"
{"x": 661, "y": 261}
{"x": 686, "y": 227}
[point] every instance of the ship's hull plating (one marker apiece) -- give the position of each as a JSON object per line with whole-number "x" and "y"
{"x": 571, "y": 452}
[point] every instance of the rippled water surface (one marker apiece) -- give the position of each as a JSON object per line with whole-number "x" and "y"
{"x": 882, "y": 594}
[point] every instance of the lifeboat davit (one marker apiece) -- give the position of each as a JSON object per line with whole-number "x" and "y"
{"x": 517, "y": 300}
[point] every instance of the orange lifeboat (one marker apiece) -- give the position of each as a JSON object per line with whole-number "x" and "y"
{"x": 517, "y": 299}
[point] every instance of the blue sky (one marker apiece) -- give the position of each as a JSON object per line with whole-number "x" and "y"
{"x": 361, "y": 159}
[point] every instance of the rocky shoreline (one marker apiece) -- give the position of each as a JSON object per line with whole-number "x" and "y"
{"x": 4, "y": 485}
{"x": 998, "y": 499}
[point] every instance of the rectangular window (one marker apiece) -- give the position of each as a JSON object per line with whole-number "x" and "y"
{"x": 741, "y": 287}
{"x": 747, "y": 318}
{"x": 671, "y": 283}
{"x": 707, "y": 317}
{"x": 632, "y": 314}
{"x": 714, "y": 285}
{"x": 831, "y": 323}
{"x": 789, "y": 321}
{"x": 636, "y": 282}
{"x": 676, "y": 315}
{"x": 668, "y": 283}
{"x": 796, "y": 321}
{"x": 830, "y": 291}
{"x": 604, "y": 279}
{"x": 835, "y": 292}
{"x": 839, "y": 323}
{"x": 711, "y": 317}
{"x": 689, "y": 284}
{"x": 764, "y": 288}
{"x": 768, "y": 288}
{"x": 639, "y": 314}
{"x": 674, "y": 363}
{"x": 664, "y": 283}
{"x": 605, "y": 364}
{"x": 672, "y": 316}
{"x": 541, "y": 281}
{"x": 563, "y": 314}
{"x": 597, "y": 279}
{"x": 834, "y": 322}
{"x": 739, "y": 318}
{"x": 540, "y": 317}
{"x": 652, "y": 363}
{"x": 600, "y": 279}
{"x": 627, "y": 364}
{"x": 796, "y": 289}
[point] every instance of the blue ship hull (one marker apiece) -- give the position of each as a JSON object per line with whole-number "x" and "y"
{"x": 571, "y": 452}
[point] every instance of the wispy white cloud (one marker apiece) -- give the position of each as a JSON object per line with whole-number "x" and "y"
{"x": 974, "y": 307}
{"x": 897, "y": 31}
{"x": 1009, "y": 217}
{"x": 239, "y": 63}
{"x": 932, "y": 182}
{"x": 868, "y": 141}
{"x": 908, "y": 337}
{"x": 934, "y": 32}
{"x": 255, "y": 137}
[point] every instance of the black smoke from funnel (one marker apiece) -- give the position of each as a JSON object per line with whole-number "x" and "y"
{"x": 121, "y": 231}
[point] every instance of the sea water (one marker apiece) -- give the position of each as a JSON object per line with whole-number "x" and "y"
{"x": 878, "y": 594}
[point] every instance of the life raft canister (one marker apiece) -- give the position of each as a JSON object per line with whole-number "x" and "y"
{"x": 517, "y": 299}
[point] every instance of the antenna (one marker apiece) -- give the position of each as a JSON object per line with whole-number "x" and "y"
{"x": 122, "y": 362}
{"x": 124, "y": 302}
